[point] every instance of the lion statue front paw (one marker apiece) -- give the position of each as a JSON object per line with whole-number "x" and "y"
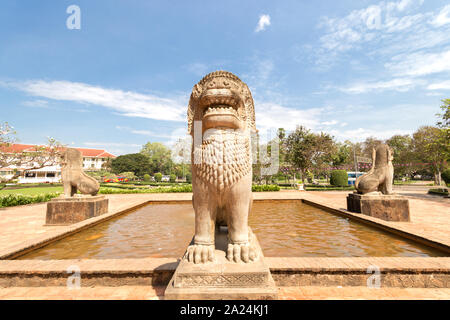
{"x": 199, "y": 253}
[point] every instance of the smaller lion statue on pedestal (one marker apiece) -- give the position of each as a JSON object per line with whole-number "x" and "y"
{"x": 380, "y": 177}
{"x": 73, "y": 177}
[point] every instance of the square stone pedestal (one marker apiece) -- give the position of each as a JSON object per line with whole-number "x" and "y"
{"x": 386, "y": 207}
{"x": 64, "y": 211}
{"x": 222, "y": 279}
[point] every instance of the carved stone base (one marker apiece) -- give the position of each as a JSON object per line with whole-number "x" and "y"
{"x": 64, "y": 211}
{"x": 221, "y": 279}
{"x": 386, "y": 207}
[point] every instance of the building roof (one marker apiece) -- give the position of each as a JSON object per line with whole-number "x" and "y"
{"x": 17, "y": 148}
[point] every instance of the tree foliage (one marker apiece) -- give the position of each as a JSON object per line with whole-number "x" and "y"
{"x": 309, "y": 151}
{"x": 159, "y": 155}
{"x": 137, "y": 163}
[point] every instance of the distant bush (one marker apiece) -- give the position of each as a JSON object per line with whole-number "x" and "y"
{"x": 265, "y": 187}
{"x": 147, "y": 177}
{"x": 185, "y": 188}
{"x": 446, "y": 176}
{"x": 339, "y": 178}
{"x": 172, "y": 178}
{"x": 439, "y": 191}
{"x": 189, "y": 177}
{"x": 18, "y": 199}
{"x": 328, "y": 188}
{"x": 158, "y": 176}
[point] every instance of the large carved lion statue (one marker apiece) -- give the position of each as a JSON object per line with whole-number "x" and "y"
{"x": 73, "y": 177}
{"x": 221, "y": 118}
{"x": 380, "y": 177}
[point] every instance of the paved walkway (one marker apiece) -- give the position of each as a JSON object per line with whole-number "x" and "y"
{"x": 285, "y": 293}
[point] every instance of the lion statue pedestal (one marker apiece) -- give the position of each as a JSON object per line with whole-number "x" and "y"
{"x": 72, "y": 208}
{"x": 224, "y": 259}
{"x": 374, "y": 196}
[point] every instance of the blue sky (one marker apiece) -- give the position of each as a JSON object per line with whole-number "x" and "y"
{"x": 351, "y": 68}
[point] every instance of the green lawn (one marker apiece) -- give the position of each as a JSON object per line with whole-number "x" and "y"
{"x": 32, "y": 191}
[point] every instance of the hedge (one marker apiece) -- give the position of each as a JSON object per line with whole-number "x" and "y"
{"x": 439, "y": 191}
{"x": 339, "y": 178}
{"x": 186, "y": 188}
{"x": 18, "y": 199}
{"x": 265, "y": 187}
{"x": 329, "y": 188}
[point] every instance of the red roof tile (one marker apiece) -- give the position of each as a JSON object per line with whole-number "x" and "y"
{"x": 17, "y": 147}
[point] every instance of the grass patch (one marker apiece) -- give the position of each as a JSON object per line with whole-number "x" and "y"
{"x": 31, "y": 191}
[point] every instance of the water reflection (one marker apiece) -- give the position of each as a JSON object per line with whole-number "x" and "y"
{"x": 284, "y": 228}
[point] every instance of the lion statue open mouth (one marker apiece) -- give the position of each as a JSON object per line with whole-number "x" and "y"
{"x": 221, "y": 118}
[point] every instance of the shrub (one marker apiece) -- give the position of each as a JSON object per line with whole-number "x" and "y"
{"x": 339, "y": 178}
{"x": 185, "y": 188}
{"x": 446, "y": 176}
{"x": 158, "y": 176}
{"x": 439, "y": 191}
{"x": 189, "y": 177}
{"x": 146, "y": 177}
{"x": 20, "y": 199}
{"x": 265, "y": 187}
{"x": 172, "y": 178}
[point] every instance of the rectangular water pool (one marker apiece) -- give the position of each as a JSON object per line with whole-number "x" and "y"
{"x": 285, "y": 228}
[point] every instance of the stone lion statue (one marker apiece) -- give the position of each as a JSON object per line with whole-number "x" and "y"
{"x": 221, "y": 118}
{"x": 380, "y": 177}
{"x": 73, "y": 177}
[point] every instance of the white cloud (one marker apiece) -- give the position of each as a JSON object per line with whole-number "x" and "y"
{"x": 271, "y": 116}
{"x": 110, "y": 144}
{"x": 443, "y": 17}
{"x": 439, "y": 85}
{"x": 36, "y": 104}
{"x": 399, "y": 84}
{"x": 126, "y": 103}
{"x": 420, "y": 64}
{"x": 384, "y": 29}
{"x": 360, "y": 134}
{"x": 264, "y": 21}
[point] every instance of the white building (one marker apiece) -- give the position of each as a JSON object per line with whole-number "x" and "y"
{"x": 93, "y": 159}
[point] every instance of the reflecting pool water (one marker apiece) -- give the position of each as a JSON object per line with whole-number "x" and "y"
{"x": 284, "y": 228}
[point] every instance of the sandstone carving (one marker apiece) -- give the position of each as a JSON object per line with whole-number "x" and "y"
{"x": 221, "y": 117}
{"x": 380, "y": 177}
{"x": 73, "y": 177}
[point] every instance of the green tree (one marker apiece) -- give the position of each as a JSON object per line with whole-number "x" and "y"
{"x": 368, "y": 145}
{"x": 137, "y": 163}
{"x": 158, "y": 176}
{"x": 159, "y": 155}
{"x": 402, "y": 147}
{"x": 172, "y": 178}
{"x": 308, "y": 151}
{"x": 428, "y": 147}
{"x": 147, "y": 177}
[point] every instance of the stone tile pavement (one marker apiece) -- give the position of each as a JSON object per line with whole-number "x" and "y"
{"x": 285, "y": 293}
